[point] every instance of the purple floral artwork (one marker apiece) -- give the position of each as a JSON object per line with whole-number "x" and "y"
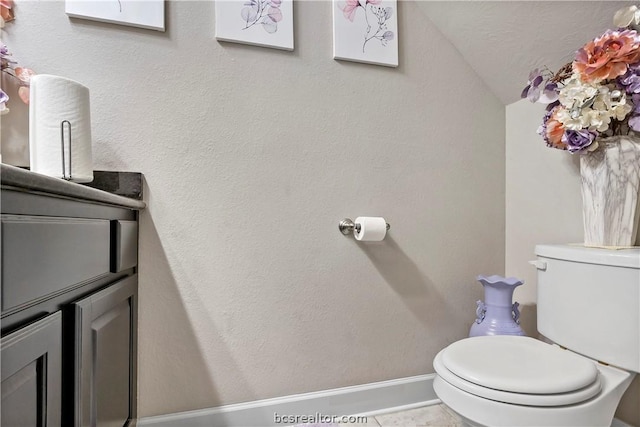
{"x": 369, "y": 26}
{"x": 266, "y": 23}
{"x": 381, "y": 33}
{"x": 262, "y": 12}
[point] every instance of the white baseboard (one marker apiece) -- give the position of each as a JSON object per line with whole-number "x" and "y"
{"x": 367, "y": 399}
{"x": 617, "y": 423}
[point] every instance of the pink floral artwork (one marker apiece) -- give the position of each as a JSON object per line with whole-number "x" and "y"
{"x": 366, "y": 31}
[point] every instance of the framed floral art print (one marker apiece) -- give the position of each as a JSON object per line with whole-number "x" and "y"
{"x": 144, "y": 14}
{"x": 366, "y": 31}
{"x": 267, "y": 23}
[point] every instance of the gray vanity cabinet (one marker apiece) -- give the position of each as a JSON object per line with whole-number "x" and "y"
{"x": 69, "y": 296}
{"x": 104, "y": 355}
{"x": 32, "y": 374}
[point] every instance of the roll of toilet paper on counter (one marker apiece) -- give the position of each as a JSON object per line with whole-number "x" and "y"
{"x": 53, "y": 101}
{"x": 372, "y": 228}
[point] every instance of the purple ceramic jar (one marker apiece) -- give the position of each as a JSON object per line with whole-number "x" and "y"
{"x": 497, "y": 315}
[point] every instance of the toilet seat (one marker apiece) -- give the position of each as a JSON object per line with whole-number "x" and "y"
{"x": 518, "y": 370}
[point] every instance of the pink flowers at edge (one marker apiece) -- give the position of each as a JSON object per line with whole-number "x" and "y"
{"x": 8, "y": 65}
{"x": 350, "y": 8}
{"x": 554, "y": 130}
{"x": 607, "y": 56}
{"x": 6, "y": 11}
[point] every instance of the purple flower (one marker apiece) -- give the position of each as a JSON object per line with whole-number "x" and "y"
{"x": 550, "y": 93}
{"x": 630, "y": 80}
{"x": 537, "y": 92}
{"x": 634, "y": 116}
{"x": 550, "y": 108}
{"x": 634, "y": 122}
{"x": 3, "y": 100}
{"x": 578, "y": 140}
{"x": 532, "y": 91}
{"x": 5, "y": 57}
{"x": 542, "y": 130}
{"x": 635, "y": 100}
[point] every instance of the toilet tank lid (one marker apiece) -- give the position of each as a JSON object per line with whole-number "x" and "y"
{"x": 578, "y": 253}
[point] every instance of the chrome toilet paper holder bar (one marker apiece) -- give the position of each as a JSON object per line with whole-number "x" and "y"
{"x": 347, "y": 226}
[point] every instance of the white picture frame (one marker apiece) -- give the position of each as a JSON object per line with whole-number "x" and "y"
{"x": 366, "y": 31}
{"x": 147, "y": 14}
{"x": 266, "y": 23}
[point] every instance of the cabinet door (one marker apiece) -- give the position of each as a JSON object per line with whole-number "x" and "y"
{"x": 106, "y": 325}
{"x": 32, "y": 374}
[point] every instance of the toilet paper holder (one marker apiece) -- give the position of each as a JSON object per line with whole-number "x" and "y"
{"x": 347, "y": 226}
{"x": 62, "y": 139}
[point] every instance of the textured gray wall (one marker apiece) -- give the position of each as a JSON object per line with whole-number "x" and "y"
{"x": 251, "y": 157}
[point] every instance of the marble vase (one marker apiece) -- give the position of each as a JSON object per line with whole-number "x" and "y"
{"x": 610, "y": 188}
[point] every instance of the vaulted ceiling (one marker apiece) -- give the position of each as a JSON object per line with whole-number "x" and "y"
{"x": 504, "y": 40}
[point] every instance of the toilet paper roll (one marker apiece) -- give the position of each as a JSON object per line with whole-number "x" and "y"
{"x": 53, "y": 100}
{"x": 372, "y": 229}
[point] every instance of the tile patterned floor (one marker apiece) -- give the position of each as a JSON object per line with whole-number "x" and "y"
{"x": 428, "y": 416}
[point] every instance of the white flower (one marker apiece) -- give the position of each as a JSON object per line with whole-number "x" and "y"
{"x": 597, "y": 120}
{"x": 627, "y": 17}
{"x": 615, "y": 101}
{"x": 591, "y": 106}
{"x": 621, "y": 111}
{"x": 577, "y": 91}
{"x": 572, "y": 122}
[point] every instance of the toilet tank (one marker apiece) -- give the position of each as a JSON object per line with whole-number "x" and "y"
{"x": 589, "y": 301}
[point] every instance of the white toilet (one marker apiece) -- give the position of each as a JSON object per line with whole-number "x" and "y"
{"x": 589, "y": 305}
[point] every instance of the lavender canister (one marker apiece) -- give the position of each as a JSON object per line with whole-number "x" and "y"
{"x": 497, "y": 315}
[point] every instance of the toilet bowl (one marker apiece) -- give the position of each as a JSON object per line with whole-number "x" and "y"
{"x": 588, "y": 302}
{"x": 520, "y": 381}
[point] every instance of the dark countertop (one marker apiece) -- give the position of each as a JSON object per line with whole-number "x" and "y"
{"x": 15, "y": 178}
{"x": 127, "y": 184}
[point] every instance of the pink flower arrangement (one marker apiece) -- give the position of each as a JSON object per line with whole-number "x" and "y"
{"x": 595, "y": 95}
{"x": 608, "y": 56}
{"x": 9, "y": 66}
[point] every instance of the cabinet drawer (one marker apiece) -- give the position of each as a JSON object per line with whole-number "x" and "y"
{"x": 125, "y": 251}
{"x": 43, "y": 255}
